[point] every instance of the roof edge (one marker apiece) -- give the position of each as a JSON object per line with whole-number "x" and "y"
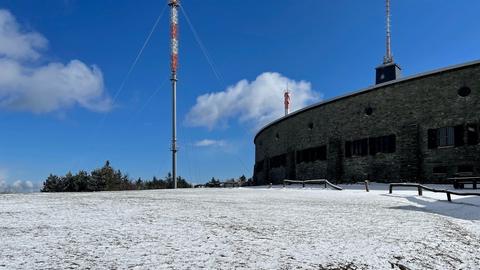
{"x": 366, "y": 90}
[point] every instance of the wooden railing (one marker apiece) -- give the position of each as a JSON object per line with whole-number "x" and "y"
{"x": 420, "y": 189}
{"x": 313, "y": 181}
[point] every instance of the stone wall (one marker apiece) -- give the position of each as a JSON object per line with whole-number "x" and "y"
{"x": 407, "y": 108}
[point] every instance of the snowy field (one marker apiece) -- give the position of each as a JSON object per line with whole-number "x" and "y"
{"x": 246, "y": 228}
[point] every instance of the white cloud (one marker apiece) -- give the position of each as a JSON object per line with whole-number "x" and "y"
{"x": 257, "y": 102}
{"x": 22, "y": 186}
{"x": 26, "y": 86}
{"x": 18, "y": 186}
{"x": 15, "y": 43}
{"x": 208, "y": 142}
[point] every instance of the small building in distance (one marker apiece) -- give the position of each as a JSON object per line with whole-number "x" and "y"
{"x": 423, "y": 128}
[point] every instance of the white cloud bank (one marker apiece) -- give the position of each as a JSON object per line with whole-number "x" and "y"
{"x": 18, "y": 186}
{"x": 27, "y": 86}
{"x": 257, "y": 102}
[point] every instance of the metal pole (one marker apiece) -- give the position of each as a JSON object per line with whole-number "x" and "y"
{"x": 174, "y": 61}
{"x": 174, "y": 129}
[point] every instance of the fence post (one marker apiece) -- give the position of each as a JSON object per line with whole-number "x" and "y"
{"x": 303, "y": 183}
{"x": 420, "y": 191}
{"x": 366, "y": 186}
{"x": 390, "y": 189}
{"x": 325, "y": 182}
{"x": 449, "y": 197}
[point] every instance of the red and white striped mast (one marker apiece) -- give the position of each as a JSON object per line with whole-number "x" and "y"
{"x": 174, "y": 4}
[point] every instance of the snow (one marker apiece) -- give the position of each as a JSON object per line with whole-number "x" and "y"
{"x": 241, "y": 228}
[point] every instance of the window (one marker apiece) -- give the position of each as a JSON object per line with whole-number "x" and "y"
{"x": 348, "y": 149}
{"x": 278, "y": 161}
{"x": 360, "y": 147}
{"x": 472, "y": 134}
{"x": 445, "y": 136}
{"x": 383, "y": 144}
{"x": 312, "y": 154}
{"x": 464, "y": 91}
{"x": 432, "y": 138}
{"x": 310, "y": 125}
{"x": 372, "y": 146}
{"x": 277, "y": 136}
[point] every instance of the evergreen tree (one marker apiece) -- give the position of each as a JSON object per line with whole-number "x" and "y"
{"x": 81, "y": 181}
{"x": 96, "y": 181}
{"x": 68, "y": 182}
{"x": 106, "y": 179}
{"x": 139, "y": 184}
{"x": 53, "y": 183}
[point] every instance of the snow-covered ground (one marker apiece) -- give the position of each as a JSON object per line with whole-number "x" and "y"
{"x": 246, "y": 228}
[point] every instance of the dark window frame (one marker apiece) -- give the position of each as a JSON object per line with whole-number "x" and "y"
{"x": 371, "y": 146}
{"x": 312, "y": 154}
{"x": 445, "y": 137}
{"x": 450, "y": 136}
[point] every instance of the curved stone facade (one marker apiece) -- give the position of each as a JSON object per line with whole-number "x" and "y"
{"x": 422, "y": 128}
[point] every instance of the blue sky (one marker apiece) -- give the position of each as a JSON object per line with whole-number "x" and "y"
{"x": 59, "y": 112}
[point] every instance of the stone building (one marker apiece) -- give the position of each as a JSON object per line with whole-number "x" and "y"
{"x": 421, "y": 128}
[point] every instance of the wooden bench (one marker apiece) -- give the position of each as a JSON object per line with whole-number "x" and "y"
{"x": 460, "y": 182}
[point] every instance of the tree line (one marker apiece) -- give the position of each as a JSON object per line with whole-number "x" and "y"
{"x": 241, "y": 181}
{"x": 106, "y": 179}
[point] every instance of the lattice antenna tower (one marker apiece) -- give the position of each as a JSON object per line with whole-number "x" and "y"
{"x": 388, "y": 59}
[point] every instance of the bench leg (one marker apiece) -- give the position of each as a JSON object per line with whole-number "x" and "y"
{"x": 390, "y": 189}
{"x": 449, "y": 197}
{"x": 420, "y": 191}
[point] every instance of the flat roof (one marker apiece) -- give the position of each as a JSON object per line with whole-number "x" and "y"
{"x": 366, "y": 90}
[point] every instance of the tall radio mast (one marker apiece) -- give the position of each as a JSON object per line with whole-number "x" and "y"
{"x": 286, "y": 101}
{"x": 174, "y": 4}
{"x": 389, "y": 70}
{"x": 388, "y": 57}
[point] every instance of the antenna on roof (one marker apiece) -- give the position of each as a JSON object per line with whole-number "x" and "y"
{"x": 389, "y": 70}
{"x": 388, "y": 59}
